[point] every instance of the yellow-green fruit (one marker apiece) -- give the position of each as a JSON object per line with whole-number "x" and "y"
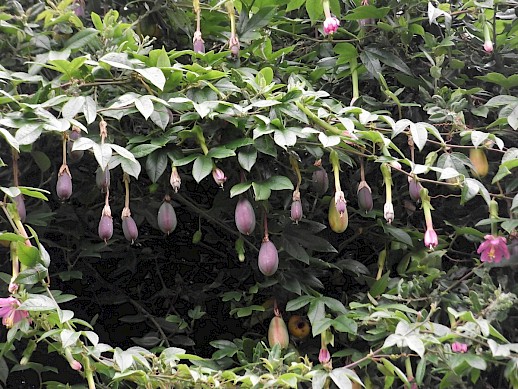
{"x": 299, "y": 326}
{"x": 278, "y": 333}
{"x": 337, "y": 222}
{"x": 479, "y": 161}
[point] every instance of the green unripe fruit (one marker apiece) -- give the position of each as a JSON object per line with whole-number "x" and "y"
{"x": 338, "y": 222}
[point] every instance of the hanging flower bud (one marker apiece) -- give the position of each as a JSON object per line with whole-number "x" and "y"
{"x": 430, "y": 237}
{"x": 488, "y": 43}
{"x": 388, "y": 212}
{"x": 296, "y": 207}
{"x": 198, "y": 43}
{"x": 219, "y": 176}
{"x": 365, "y": 196}
{"x": 341, "y": 204}
{"x": 175, "y": 179}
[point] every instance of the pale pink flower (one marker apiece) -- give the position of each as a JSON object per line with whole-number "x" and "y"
{"x": 458, "y": 347}
{"x": 493, "y": 249}
{"x": 331, "y": 25}
{"x": 76, "y": 365}
{"x": 488, "y": 46}
{"x": 323, "y": 355}
{"x": 219, "y": 176}
{"x": 430, "y": 238}
{"x": 9, "y": 311}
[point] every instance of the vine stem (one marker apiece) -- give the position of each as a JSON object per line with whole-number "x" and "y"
{"x": 16, "y": 156}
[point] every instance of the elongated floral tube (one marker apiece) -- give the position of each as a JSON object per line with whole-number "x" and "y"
{"x": 430, "y": 237}
{"x": 388, "y": 208}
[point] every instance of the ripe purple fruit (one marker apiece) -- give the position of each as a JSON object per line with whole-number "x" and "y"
{"x": 365, "y": 197}
{"x": 102, "y": 178}
{"x": 244, "y": 216}
{"x": 296, "y": 211}
{"x": 105, "y": 227}
{"x": 268, "y": 258}
{"x": 166, "y": 217}
{"x": 64, "y": 185}
{"x": 129, "y": 228}
{"x": 320, "y": 181}
{"x": 20, "y": 206}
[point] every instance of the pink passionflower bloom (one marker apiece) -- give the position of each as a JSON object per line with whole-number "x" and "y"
{"x": 458, "y": 347}
{"x": 493, "y": 249}
{"x": 323, "y": 355}
{"x": 430, "y": 238}
{"x": 9, "y": 311}
{"x": 331, "y": 25}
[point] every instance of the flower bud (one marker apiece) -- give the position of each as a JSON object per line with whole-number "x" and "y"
{"x": 198, "y": 43}
{"x": 175, "y": 179}
{"x": 219, "y": 176}
{"x": 341, "y": 204}
{"x": 430, "y": 238}
{"x": 331, "y": 25}
{"x": 388, "y": 212}
{"x": 296, "y": 207}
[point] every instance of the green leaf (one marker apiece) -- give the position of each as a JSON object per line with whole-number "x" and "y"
{"x": 81, "y": 39}
{"x": 262, "y": 191}
{"x": 220, "y": 152}
{"x": 315, "y": 9}
{"x": 401, "y": 235}
{"x": 144, "y": 149}
{"x": 154, "y": 76}
{"x": 298, "y": 303}
{"x": 279, "y": 183}
{"x": 38, "y": 302}
{"x": 202, "y": 167}
{"x": 367, "y": 12}
{"x": 341, "y": 378}
{"x": 247, "y": 157}
{"x": 156, "y": 164}
{"x": 239, "y": 188}
{"x": 344, "y": 324}
{"x": 380, "y": 285}
{"x": 28, "y": 255}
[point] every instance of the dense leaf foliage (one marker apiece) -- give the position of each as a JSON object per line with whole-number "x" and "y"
{"x": 268, "y": 193}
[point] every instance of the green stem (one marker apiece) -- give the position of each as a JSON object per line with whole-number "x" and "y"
{"x": 353, "y": 63}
